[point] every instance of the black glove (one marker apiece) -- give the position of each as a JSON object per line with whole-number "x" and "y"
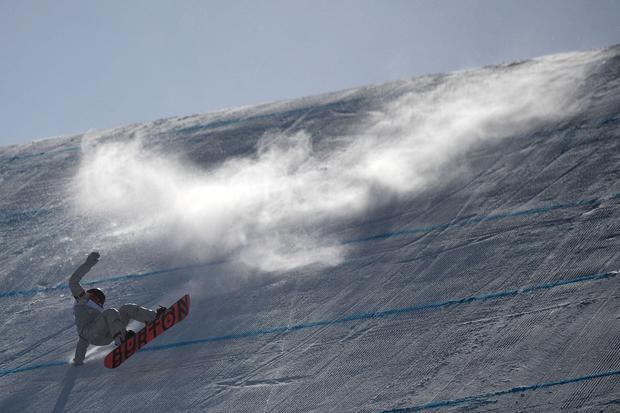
{"x": 93, "y": 258}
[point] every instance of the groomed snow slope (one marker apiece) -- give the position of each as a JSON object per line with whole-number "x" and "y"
{"x": 448, "y": 243}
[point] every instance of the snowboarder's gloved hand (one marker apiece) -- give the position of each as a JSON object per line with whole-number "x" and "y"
{"x": 77, "y": 363}
{"x": 93, "y": 258}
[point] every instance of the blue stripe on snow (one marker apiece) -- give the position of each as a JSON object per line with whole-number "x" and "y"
{"x": 485, "y": 218}
{"x": 385, "y": 313}
{"x": 351, "y": 317}
{"x": 421, "y": 230}
{"x": 482, "y": 398}
{"x": 65, "y": 286}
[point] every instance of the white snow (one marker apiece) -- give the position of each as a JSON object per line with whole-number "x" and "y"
{"x": 444, "y": 243}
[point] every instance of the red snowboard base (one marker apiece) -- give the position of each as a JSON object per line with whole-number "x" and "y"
{"x": 174, "y": 314}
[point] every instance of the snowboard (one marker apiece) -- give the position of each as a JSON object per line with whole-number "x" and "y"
{"x": 173, "y": 315}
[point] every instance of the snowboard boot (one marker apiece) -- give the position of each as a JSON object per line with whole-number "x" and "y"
{"x": 120, "y": 338}
{"x": 159, "y": 312}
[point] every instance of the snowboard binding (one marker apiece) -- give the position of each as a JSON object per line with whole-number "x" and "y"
{"x": 160, "y": 311}
{"x": 120, "y": 338}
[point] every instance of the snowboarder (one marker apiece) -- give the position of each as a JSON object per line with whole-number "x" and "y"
{"x": 95, "y": 325}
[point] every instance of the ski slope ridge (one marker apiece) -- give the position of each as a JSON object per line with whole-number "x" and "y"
{"x": 445, "y": 243}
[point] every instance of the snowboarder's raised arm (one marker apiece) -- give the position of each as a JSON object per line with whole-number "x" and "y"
{"x": 74, "y": 280}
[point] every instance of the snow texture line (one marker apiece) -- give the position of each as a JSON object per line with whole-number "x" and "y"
{"x": 38, "y": 154}
{"x": 219, "y": 123}
{"x": 12, "y": 217}
{"x": 421, "y": 230}
{"x": 351, "y": 317}
{"x": 385, "y": 313}
{"x": 486, "y": 218}
{"x": 120, "y": 278}
{"x": 55, "y": 363}
{"x": 481, "y": 398}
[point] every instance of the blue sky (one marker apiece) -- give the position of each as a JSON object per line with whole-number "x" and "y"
{"x": 69, "y": 66}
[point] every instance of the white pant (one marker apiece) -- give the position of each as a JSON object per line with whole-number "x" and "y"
{"x": 112, "y": 321}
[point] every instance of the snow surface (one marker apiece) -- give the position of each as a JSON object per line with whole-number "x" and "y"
{"x": 446, "y": 243}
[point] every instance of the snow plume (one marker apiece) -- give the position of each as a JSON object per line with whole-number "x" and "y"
{"x": 263, "y": 208}
{"x": 269, "y": 209}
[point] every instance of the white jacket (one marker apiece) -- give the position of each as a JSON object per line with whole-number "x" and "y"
{"x": 85, "y": 310}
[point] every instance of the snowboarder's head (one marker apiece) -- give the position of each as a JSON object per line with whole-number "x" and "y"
{"x": 97, "y": 296}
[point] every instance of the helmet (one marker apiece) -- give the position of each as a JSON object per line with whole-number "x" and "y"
{"x": 98, "y": 293}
